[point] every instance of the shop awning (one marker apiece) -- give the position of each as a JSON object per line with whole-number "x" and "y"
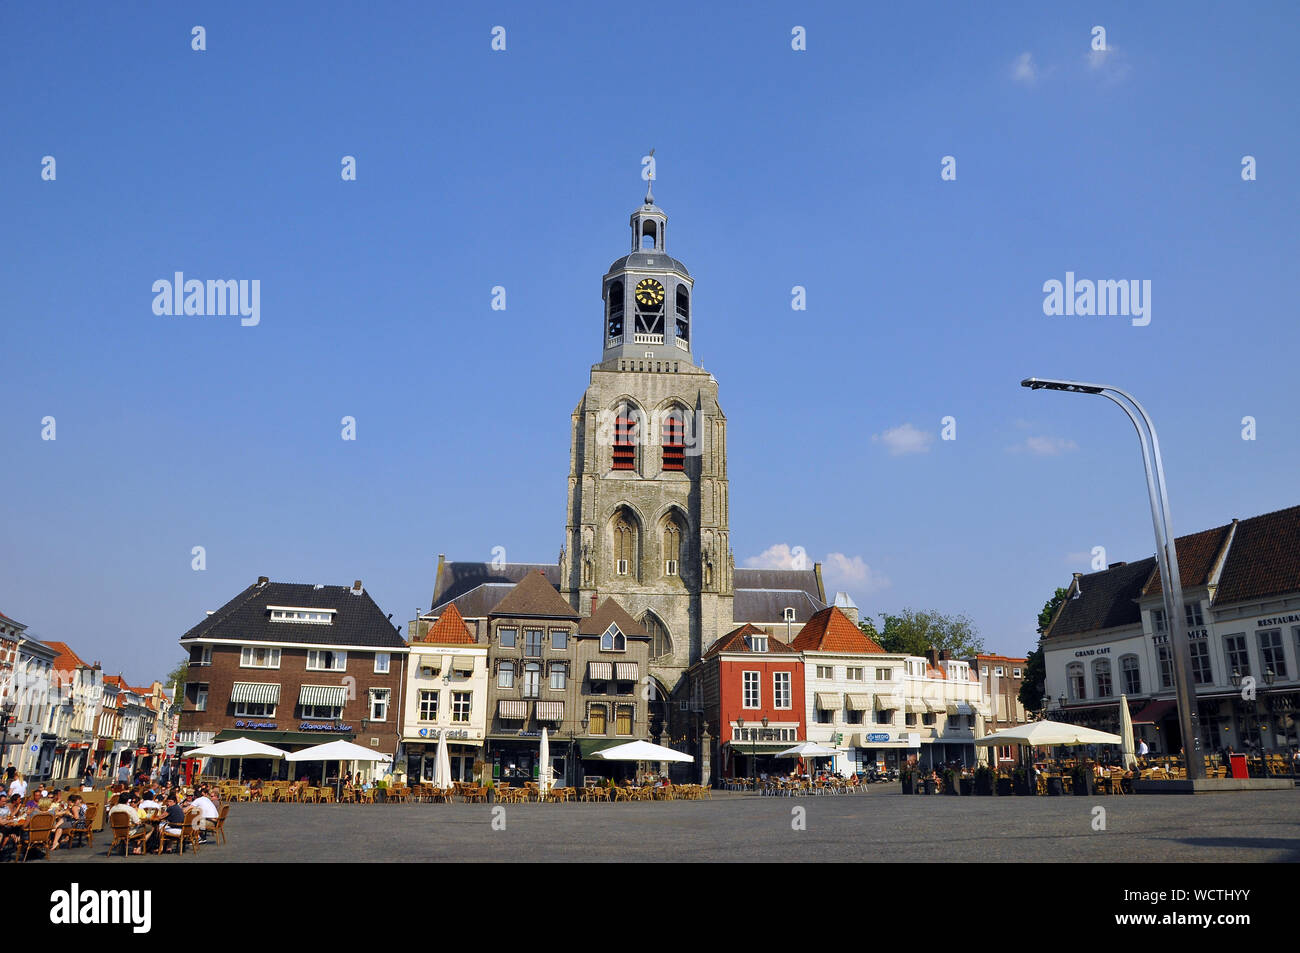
{"x": 885, "y": 703}
{"x": 281, "y": 739}
{"x": 916, "y": 705}
{"x": 1154, "y": 712}
{"x": 589, "y": 746}
{"x": 255, "y": 693}
{"x": 858, "y": 702}
{"x": 830, "y": 701}
{"x": 463, "y": 663}
{"x": 626, "y": 671}
{"x": 327, "y": 696}
{"x": 512, "y": 709}
{"x": 960, "y": 708}
{"x": 549, "y": 711}
{"x": 761, "y": 747}
{"x": 600, "y": 671}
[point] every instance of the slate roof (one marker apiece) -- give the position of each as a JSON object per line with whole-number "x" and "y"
{"x": 649, "y": 259}
{"x": 1107, "y": 599}
{"x": 358, "y": 620}
{"x": 607, "y": 612}
{"x": 458, "y": 579}
{"x": 534, "y": 597}
{"x": 734, "y": 641}
{"x": 832, "y": 631}
{"x": 450, "y": 629}
{"x": 1264, "y": 559}
{"x": 1196, "y": 557}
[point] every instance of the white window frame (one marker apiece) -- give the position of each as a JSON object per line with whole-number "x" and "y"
{"x": 267, "y": 709}
{"x": 560, "y": 669}
{"x": 313, "y": 712}
{"x": 778, "y": 680}
{"x": 506, "y": 673}
{"x": 854, "y": 673}
{"x": 751, "y": 684}
{"x": 246, "y": 654}
{"x": 380, "y": 696}
{"x": 825, "y": 673}
{"x": 201, "y": 696}
{"x": 457, "y": 712}
{"x": 616, "y": 639}
{"x": 387, "y": 659}
{"x": 340, "y": 660}
{"x": 423, "y": 698}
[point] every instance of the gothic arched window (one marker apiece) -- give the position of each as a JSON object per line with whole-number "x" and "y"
{"x": 627, "y": 427}
{"x": 625, "y": 545}
{"x": 615, "y": 311}
{"x": 683, "y": 314}
{"x": 661, "y": 643}
{"x": 672, "y": 549}
{"x": 1101, "y": 675}
{"x": 673, "y": 440}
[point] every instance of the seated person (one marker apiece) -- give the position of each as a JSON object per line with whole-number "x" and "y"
{"x": 208, "y": 814}
{"x": 127, "y": 806}
{"x": 175, "y": 815}
{"x": 73, "y": 819}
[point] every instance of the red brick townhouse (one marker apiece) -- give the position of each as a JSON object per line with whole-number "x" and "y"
{"x": 294, "y": 665}
{"x": 748, "y": 690}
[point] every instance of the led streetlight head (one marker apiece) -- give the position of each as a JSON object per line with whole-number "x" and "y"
{"x": 1072, "y": 387}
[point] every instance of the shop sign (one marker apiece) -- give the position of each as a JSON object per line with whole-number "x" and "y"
{"x": 528, "y": 734}
{"x": 1082, "y": 653}
{"x": 313, "y": 726}
{"x": 449, "y": 733}
{"x": 268, "y": 725}
{"x": 877, "y": 737}
{"x": 1277, "y": 620}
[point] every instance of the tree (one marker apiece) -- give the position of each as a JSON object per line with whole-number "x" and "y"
{"x": 179, "y": 674}
{"x": 913, "y": 631}
{"x": 1032, "y": 685}
{"x": 1049, "y": 609}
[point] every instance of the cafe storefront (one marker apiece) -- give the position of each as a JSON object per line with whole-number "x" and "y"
{"x": 421, "y": 752}
{"x": 883, "y": 750}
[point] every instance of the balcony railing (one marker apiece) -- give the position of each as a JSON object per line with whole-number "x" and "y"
{"x": 647, "y": 339}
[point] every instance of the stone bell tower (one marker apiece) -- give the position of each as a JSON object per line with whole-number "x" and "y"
{"x": 647, "y": 517}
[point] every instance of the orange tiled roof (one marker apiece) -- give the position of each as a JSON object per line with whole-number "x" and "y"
{"x": 450, "y": 629}
{"x": 734, "y": 641}
{"x": 830, "y": 630}
{"x": 67, "y": 660}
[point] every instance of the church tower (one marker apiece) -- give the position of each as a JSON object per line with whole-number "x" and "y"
{"x": 647, "y": 517}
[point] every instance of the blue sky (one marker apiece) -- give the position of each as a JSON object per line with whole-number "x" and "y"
{"x": 777, "y": 168}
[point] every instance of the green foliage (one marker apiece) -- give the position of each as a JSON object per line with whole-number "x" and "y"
{"x": 1049, "y": 609}
{"x": 914, "y": 631}
{"x": 178, "y": 675}
{"x": 1032, "y": 685}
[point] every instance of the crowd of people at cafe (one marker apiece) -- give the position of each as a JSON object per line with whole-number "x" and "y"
{"x": 151, "y": 810}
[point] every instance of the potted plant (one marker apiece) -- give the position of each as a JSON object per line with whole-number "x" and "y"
{"x": 950, "y": 782}
{"x": 967, "y": 785}
{"x": 490, "y": 787}
{"x": 1023, "y": 781}
{"x": 1005, "y": 788}
{"x": 985, "y": 784}
{"x": 929, "y": 783}
{"x": 908, "y": 777}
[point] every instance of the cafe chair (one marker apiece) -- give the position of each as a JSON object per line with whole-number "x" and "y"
{"x": 122, "y": 834}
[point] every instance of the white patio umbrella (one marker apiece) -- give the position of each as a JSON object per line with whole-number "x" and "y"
{"x": 339, "y": 751}
{"x": 1126, "y": 733}
{"x": 981, "y": 753}
{"x": 544, "y": 766}
{"x": 807, "y": 749}
{"x": 641, "y": 751}
{"x": 442, "y": 765}
{"x": 240, "y": 748}
{"x": 1047, "y": 734}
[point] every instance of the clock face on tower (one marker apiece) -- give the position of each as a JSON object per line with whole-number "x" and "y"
{"x": 649, "y": 292}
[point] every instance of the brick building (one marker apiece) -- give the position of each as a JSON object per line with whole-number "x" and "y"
{"x": 294, "y": 665}
{"x": 1000, "y": 679}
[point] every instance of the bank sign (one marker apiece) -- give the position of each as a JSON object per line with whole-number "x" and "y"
{"x": 449, "y": 734}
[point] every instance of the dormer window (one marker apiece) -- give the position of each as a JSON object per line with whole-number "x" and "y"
{"x": 613, "y": 640}
{"x": 295, "y": 614}
{"x": 756, "y": 643}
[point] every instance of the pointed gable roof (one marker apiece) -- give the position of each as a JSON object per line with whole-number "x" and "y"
{"x": 66, "y": 660}
{"x": 830, "y": 630}
{"x": 607, "y": 612}
{"x": 450, "y": 629}
{"x": 534, "y": 597}
{"x": 1264, "y": 559}
{"x": 734, "y": 641}
{"x": 1197, "y": 555}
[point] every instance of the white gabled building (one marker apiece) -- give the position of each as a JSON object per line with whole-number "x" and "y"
{"x": 446, "y": 696}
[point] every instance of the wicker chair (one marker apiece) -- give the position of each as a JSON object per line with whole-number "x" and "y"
{"x": 122, "y": 833}
{"x": 86, "y": 826}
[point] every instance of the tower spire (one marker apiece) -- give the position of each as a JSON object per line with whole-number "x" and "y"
{"x": 650, "y": 182}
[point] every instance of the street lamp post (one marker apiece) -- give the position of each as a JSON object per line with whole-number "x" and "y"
{"x": 1166, "y": 556}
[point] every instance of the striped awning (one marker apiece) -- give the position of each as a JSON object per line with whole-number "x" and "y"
{"x": 960, "y": 708}
{"x": 512, "y": 709}
{"x": 886, "y": 703}
{"x": 829, "y": 701}
{"x": 255, "y": 693}
{"x": 328, "y": 696}
{"x": 858, "y": 702}
{"x": 600, "y": 671}
{"x": 549, "y": 711}
{"x": 463, "y": 663}
{"x": 915, "y": 705}
{"x": 626, "y": 671}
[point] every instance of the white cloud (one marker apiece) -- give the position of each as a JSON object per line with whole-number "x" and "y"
{"x": 853, "y": 571}
{"x": 780, "y": 556}
{"x": 1110, "y": 64}
{"x": 1024, "y": 69}
{"x": 1044, "y": 446}
{"x": 903, "y": 440}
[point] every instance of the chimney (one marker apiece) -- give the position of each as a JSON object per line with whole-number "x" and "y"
{"x": 1116, "y": 565}
{"x": 1078, "y": 589}
{"x": 593, "y": 603}
{"x": 932, "y": 656}
{"x": 356, "y": 587}
{"x": 262, "y": 580}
